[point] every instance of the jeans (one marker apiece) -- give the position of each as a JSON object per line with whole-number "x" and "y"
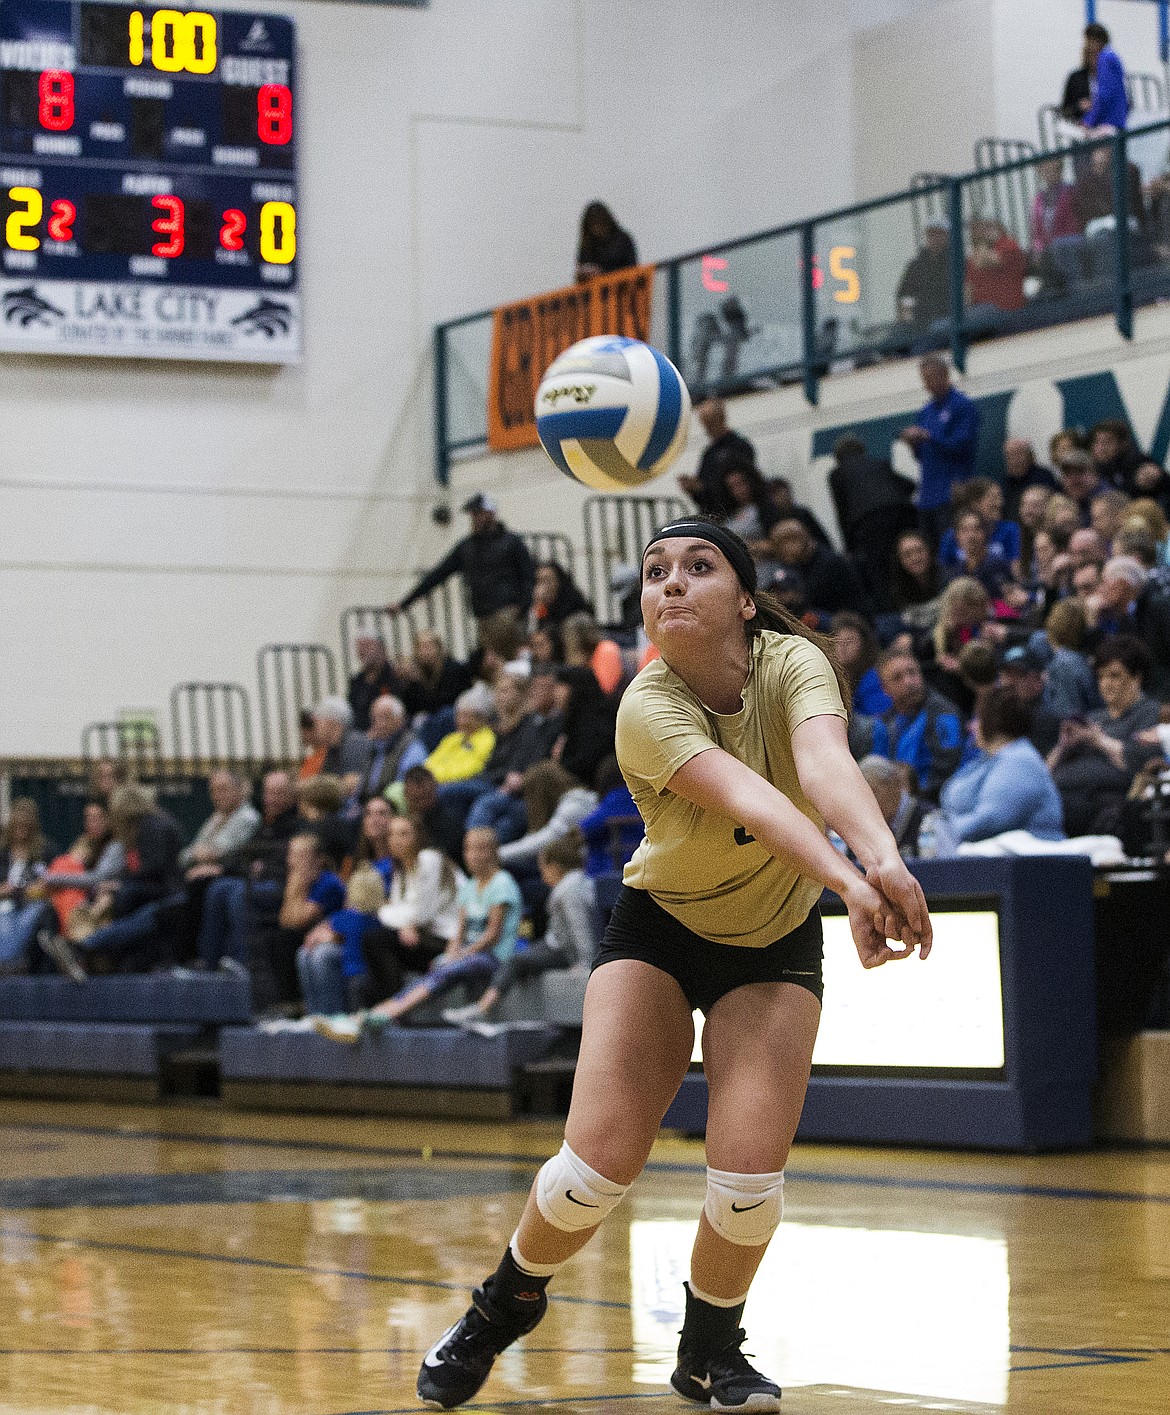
{"x": 387, "y": 959}
{"x": 324, "y": 987}
{"x": 130, "y": 934}
{"x": 464, "y": 796}
{"x": 475, "y": 968}
{"x": 18, "y": 928}
{"x": 223, "y": 932}
{"x": 505, "y": 814}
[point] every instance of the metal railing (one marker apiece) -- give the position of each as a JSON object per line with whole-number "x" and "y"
{"x": 444, "y": 610}
{"x": 616, "y": 529}
{"x": 289, "y": 679}
{"x": 790, "y": 304}
{"x": 211, "y": 723}
{"x": 554, "y": 546}
{"x": 1146, "y": 93}
{"x": 135, "y": 745}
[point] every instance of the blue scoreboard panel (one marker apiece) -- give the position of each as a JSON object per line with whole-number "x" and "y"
{"x": 148, "y": 204}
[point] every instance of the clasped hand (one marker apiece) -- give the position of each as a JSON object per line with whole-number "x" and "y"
{"x": 887, "y": 903}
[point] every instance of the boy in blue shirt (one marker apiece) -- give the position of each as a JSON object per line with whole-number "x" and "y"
{"x": 1109, "y": 111}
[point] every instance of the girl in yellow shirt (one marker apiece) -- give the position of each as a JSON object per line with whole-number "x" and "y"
{"x": 733, "y": 745}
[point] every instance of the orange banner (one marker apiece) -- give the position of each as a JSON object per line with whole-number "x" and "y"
{"x": 527, "y": 337}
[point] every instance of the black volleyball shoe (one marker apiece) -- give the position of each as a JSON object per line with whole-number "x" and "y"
{"x": 724, "y": 1380}
{"x": 462, "y": 1358}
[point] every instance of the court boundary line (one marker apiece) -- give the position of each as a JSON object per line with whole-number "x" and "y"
{"x": 295, "y": 1351}
{"x": 275, "y": 1265}
{"x": 666, "y": 1394}
{"x": 429, "y": 1155}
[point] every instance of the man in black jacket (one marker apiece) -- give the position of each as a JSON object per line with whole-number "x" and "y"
{"x": 874, "y": 505}
{"x": 252, "y": 881}
{"x": 496, "y": 568}
{"x": 725, "y": 450}
{"x": 830, "y": 581}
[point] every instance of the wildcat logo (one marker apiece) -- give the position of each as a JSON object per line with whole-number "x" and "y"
{"x": 742, "y": 837}
{"x": 578, "y": 392}
{"x": 269, "y": 318}
{"x": 257, "y": 38}
{"x": 25, "y": 307}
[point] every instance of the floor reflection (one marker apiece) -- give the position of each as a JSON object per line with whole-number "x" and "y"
{"x": 918, "y": 1313}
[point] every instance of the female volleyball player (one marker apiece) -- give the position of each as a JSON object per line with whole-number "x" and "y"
{"x": 734, "y": 747}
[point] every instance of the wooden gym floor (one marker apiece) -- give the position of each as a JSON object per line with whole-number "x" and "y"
{"x": 183, "y": 1259}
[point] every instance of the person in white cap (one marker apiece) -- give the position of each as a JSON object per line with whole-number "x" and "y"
{"x": 496, "y": 567}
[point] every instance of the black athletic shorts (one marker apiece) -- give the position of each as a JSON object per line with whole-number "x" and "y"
{"x": 640, "y": 928}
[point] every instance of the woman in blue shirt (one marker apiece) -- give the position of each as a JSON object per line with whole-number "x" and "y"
{"x": 1008, "y": 786}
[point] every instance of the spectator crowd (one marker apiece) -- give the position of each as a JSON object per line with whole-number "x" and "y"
{"x": 1007, "y": 644}
{"x": 1061, "y": 231}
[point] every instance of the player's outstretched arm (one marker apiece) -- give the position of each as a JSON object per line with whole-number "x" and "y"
{"x": 833, "y": 782}
{"x": 719, "y": 782}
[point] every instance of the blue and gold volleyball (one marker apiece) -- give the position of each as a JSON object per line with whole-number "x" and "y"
{"x": 612, "y": 412}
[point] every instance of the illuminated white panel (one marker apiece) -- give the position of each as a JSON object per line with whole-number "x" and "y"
{"x": 946, "y": 1012}
{"x": 922, "y": 1314}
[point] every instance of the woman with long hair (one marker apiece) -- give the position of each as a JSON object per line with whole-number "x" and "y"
{"x": 373, "y": 849}
{"x": 24, "y": 856}
{"x": 1033, "y": 501}
{"x": 856, "y": 647}
{"x": 587, "y": 716}
{"x": 734, "y": 745}
{"x": 555, "y": 803}
{"x": 586, "y": 646}
{"x": 753, "y": 512}
{"x": 915, "y": 577}
{"x": 603, "y": 245}
{"x": 93, "y": 858}
{"x": 965, "y": 616}
{"x": 555, "y": 596}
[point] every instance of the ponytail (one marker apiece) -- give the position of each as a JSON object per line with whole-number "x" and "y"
{"x": 772, "y": 614}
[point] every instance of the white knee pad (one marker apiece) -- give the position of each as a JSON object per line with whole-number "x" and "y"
{"x": 571, "y": 1196}
{"x": 744, "y": 1208}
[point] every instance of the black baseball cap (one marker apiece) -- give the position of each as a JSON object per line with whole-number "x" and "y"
{"x": 1024, "y": 659}
{"x": 479, "y": 502}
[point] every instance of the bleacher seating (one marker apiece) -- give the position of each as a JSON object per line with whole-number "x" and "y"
{"x": 403, "y": 1070}
{"x": 88, "y": 1059}
{"x": 205, "y": 1000}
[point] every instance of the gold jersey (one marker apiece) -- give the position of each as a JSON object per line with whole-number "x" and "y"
{"x": 701, "y": 867}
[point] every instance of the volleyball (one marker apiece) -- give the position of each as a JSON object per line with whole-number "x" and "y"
{"x": 612, "y": 412}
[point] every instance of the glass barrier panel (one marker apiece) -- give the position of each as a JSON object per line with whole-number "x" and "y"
{"x": 1147, "y": 151}
{"x": 881, "y": 280}
{"x": 1038, "y": 242}
{"x": 740, "y": 316}
{"x": 660, "y": 313}
{"x": 468, "y": 357}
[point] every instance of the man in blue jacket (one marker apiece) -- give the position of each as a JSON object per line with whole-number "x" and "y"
{"x": 943, "y": 438}
{"x": 922, "y": 728}
{"x": 1110, "y": 107}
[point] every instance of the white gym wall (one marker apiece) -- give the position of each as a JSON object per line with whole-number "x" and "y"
{"x": 160, "y": 522}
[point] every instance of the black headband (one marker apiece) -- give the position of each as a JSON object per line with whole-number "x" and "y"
{"x": 736, "y": 552}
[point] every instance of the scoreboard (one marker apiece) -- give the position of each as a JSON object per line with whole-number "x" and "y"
{"x": 148, "y": 203}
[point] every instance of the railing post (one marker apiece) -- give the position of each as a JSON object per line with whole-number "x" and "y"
{"x": 442, "y": 462}
{"x": 808, "y": 312}
{"x": 1122, "y": 289}
{"x": 674, "y": 314}
{"x": 958, "y": 275}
